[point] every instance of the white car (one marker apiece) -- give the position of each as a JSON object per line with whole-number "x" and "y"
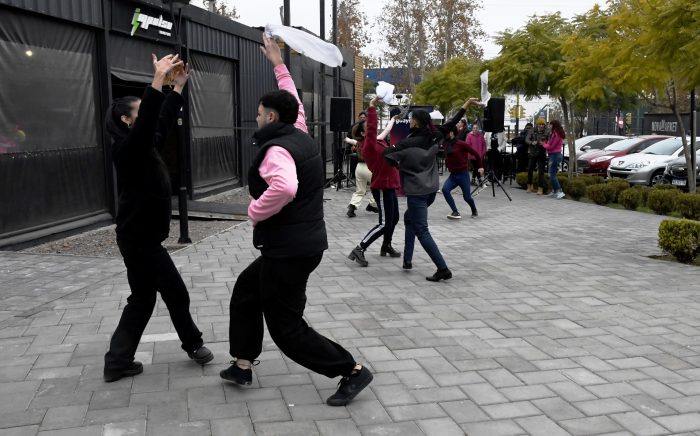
{"x": 588, "y": 143}
{"x": 646, "y": 167}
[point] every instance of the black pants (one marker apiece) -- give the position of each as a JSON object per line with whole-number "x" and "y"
{"x": 387, "y": 201}
{"x": 150, "y": 269}
{"x": 277, "y": 289}
{"x": 539, "y": 160}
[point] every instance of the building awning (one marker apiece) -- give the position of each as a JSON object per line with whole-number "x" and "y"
{"x": 132, "y": 76}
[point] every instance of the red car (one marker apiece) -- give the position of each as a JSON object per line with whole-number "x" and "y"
{"x": 596, "y": 162}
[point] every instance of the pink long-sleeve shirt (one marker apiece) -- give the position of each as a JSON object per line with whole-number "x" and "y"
{"x": 278, "y": 168}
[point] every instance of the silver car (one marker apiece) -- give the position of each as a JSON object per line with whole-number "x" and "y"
{"x": 646, "y": 167}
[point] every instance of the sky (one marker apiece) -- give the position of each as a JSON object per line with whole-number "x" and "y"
{"x": 495, "y": 15}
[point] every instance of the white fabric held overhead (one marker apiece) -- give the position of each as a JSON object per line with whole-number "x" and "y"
{"x": 307, "y": 44}
{"x": 485, "y": 94}
{"x": 385, "y": 92}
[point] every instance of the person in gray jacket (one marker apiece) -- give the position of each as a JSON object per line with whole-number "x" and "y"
{"x": 415, "y": 158}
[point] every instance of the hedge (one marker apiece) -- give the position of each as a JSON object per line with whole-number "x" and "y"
{"x": 662, "y": 201}
{"x": 688, "y": 205}
{"x": 681, "y": 238}
{"x": 601, "y": 193}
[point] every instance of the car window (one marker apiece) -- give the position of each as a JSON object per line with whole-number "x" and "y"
{"x": 667, "y": 147}
{"x": 621, "y": 145}
{"x": 599, "y": 144}
{"x": 646, "y": 144}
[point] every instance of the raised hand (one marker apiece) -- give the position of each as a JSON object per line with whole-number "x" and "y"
{"x": 473, "y": 101}
{"x": 374, "y": 101}
{"x": 166, "y": 63}
{"x": 271, "y": 50}
{"x": 181, "y": 75}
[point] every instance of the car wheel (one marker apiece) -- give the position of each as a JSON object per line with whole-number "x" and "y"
{"x": 657, "y": 178}
{"x": 564, "y": 167}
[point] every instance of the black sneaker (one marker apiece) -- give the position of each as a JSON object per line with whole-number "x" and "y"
{"x": 201, "y": 355}
{"x": 112, "y": 375}
{"x": 371, "y": 208}
{"x": 454, "y": 216}
{"x": 349, "y": 387}
{"x": 351, "y": 211}
{"x": 387, "y": 249}
{"x": 358, "y": 255}
{"x": 407, "y": 265}
{"x": 441, "y": 274}
{"x": 475, "y": 214}
{"x": 236, "y": 374}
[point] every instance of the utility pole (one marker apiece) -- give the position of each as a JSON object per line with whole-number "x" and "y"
{"x": 322, "y": 124}
{"x": 286, "y": 22}
{"x": 212, "y": 5}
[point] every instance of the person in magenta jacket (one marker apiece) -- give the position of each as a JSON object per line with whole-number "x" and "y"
{"x": 554, "y": 152}
{"x": 475, "y": 139}
{"x": 385, "y": 181}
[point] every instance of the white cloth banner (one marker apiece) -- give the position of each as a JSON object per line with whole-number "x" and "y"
{"x": 485, "y": 94}
{"x": 307, "y": 44}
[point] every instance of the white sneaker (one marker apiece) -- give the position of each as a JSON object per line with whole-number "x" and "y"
{"x": 560, "y": 195}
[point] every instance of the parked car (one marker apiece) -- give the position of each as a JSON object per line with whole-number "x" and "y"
{"x": 676, "y": 172}
{"x": 587, "y": 143}
{"x": 646, "y": 167}
{"x": 596, "y": 162}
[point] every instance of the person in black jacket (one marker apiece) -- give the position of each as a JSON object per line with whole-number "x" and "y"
{"x": 415, "y": 157}
{"x": 139, "y": 129}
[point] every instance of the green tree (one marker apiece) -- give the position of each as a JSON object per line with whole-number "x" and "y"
{"x": 646, "y": 53}
{"x": 222, "y": 7}
{"x": 447, "y": 88}
{"x": 531, "y": 63}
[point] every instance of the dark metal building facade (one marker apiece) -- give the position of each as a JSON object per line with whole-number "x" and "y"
{"x": 69, "y": 58}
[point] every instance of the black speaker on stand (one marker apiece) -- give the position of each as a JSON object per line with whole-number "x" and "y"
{"x": 341, "y": 121}
{"x": 494, "y": 115}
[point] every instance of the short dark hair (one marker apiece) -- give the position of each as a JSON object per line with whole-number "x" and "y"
{"x": 283, "y": 103}
{"x": 362, "y": 113}
{"x": 358, "y": 131}
{"x": 422, "y": 117}
{"x": 113, "y": 121}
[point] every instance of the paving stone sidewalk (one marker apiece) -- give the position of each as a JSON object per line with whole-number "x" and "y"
{"x": 556, "y": 322}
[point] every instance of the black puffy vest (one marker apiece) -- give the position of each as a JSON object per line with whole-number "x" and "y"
{"x": 298, "y": 230}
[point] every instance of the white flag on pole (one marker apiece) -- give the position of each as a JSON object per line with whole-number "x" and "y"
{"x": 485, "y": 94}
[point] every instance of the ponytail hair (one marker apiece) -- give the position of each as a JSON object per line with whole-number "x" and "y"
{"x": 113, "y": 120}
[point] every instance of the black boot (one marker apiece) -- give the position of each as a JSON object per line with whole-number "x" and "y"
{"x": 351, "y": 211}
{"x": 112, "y": 375}
{"x": 371, "y": 208}
{"x": 441, "y": 274}
{"x": 358, "y": 255}
{"x": 387, "y": 249}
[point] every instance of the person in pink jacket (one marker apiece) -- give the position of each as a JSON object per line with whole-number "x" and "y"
{"x": 553, "y": 147}
{"x": 475, "y": 139}
{"x": 285, "y": 182}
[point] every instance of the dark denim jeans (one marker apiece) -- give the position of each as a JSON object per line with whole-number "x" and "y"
{"x": 554, "y": 162}
{"x": 460, "y": 179}
{"x": 416, "y": 222}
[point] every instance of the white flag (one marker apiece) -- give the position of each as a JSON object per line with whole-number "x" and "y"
{"x": 307, "y": 44}
{"x": 485, "y": 94}
{"x": 385, "y": 92}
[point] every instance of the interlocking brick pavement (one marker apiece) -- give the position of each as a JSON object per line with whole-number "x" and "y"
{"x": 556, "y": 322}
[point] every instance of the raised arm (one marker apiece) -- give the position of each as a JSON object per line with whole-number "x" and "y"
{"x": 284, "y": 80}
{"x": 388, "y": 128}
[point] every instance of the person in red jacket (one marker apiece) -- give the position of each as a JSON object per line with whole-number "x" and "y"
{"x": 457, "y": 154}
{"x": 477, "y": 141}
{"x": 385, "y": 181}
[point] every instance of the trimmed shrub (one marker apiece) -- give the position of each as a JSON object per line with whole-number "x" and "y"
{"x": 521, "y": 179}
{"x": 618, "y": 186}
{"x": 631, "y": 199}
{"x": 575, "y": 188}
{"x": 563, "y": 180}
{"x": 664, "y": 186}
{"x": 681, "y": 238}
{"x": 601, "y": 193}
{"x": 590, "y": 180}
{"x": 688, "y": 205}
{"x": 644, "y": 193}
{"x": 662, "y": 201}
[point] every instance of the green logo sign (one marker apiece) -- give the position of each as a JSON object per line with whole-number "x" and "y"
{"x": 145, "y": 21}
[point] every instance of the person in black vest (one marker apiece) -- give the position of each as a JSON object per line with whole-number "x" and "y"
{"x": 286, "y": 209}
{"x": 139, "y": 128}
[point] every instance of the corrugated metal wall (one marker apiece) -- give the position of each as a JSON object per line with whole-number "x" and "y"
{"x": 205, "y": 39}
{"x": 256, "y": 78}
{"x": 82, "y": 11}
